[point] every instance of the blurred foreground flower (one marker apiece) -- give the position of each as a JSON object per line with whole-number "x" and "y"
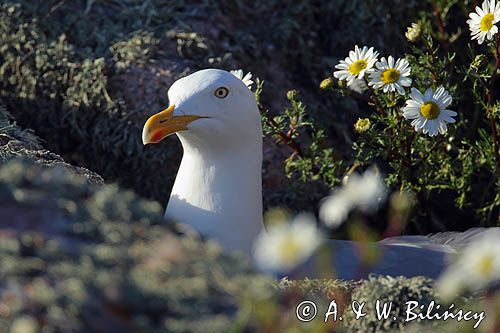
{"x": 482, "y": 22}
{"x": 365, "y": 192}
{"x": 476, "y": 268}
{"x": 356, "y": 65}
{"x": 24, "y": 324}
{"x": 428, "y": 111}
{"x": 413, "y": 32}
{"x": 285, "y": 245}
{"x": 391, "y": 76}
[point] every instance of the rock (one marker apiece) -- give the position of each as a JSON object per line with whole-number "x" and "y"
{"x": 15, "y": 143}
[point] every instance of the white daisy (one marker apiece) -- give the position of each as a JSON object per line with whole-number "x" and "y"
{"x": 391, "y": 76}
{"x": 482, "y": 22}
{"x": 247, "y": 79}
{"x": 359, "y": 62}
{"x": 476, "y": 268}
{"x": 365, "y": 192}
{"x": 428, "y": 111}
{"x": 285, "y": 245}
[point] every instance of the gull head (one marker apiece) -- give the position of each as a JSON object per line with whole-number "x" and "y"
{"x": 210, "y": 107}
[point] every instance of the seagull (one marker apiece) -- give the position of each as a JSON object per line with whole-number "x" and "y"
{"x": 218, "y": 188}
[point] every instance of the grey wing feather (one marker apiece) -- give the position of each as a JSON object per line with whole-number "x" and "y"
{"x": 400, "y": 256}
{"x": 458, "y": 240}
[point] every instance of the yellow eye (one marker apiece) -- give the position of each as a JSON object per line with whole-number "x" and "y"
{"x": 221, "y": 92}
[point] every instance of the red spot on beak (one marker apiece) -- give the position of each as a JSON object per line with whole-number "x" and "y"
{"x": 157, "y": 136}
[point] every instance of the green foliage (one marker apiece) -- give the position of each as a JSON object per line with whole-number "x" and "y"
{"x": 318, "y": 162}
{"x": 139, "y": 49}
{"x": 455, "y": 171}
{"x": 316, "y": 288}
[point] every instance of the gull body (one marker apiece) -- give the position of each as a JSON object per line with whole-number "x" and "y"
{"x": 218, "y": 190}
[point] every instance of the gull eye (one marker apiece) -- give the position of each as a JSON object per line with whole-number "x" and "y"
{"x": 221, "y": 92}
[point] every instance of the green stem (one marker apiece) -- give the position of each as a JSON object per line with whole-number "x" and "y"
{"x": 284, "y": 138}
{"x": 437, "y": 13}
{"x": 435, "y": 75}
{"x": 374, "y": 99}
{"x": 490, "y": 97}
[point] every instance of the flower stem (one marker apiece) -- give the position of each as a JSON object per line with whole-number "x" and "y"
{"x": 490, "y": 98}
{"x": 374, "y": 99}
{"x": 285, "y": 138}
{"x": 409, "y": 142}
{"x": 441, "y": 25}
{"x": 435, "y": 75}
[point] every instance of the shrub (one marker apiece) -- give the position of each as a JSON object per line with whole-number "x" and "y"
{"x": 388, "y": 289}
{"x": 457, "y": 170}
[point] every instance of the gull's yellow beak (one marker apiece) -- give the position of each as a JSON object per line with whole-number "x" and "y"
{"x": 163, "y": 124}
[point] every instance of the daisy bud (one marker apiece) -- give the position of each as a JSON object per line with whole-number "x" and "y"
{"x": 292, "y": 95}
{"x": 362, "y": 125}
{"x": 327, "y": 83}
{"x": 413, "y": 32}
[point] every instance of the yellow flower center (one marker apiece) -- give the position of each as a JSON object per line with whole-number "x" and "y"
{"x": 486, "y": 265}
{"x": 390, "y": 76}
{"x": 487, "y": 22}
{"x": 289, "y": 251}
{"x": 430, "y": 110}
{"x": 356, "y": 67}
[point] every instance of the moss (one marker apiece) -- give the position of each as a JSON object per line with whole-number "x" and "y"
{"x": 324, "y": 288}
{"x": 387, "y": 289}
{"x": 84, "y": 257}
{"x": 137, "y": 49}
{"x": 53, "y": 88}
